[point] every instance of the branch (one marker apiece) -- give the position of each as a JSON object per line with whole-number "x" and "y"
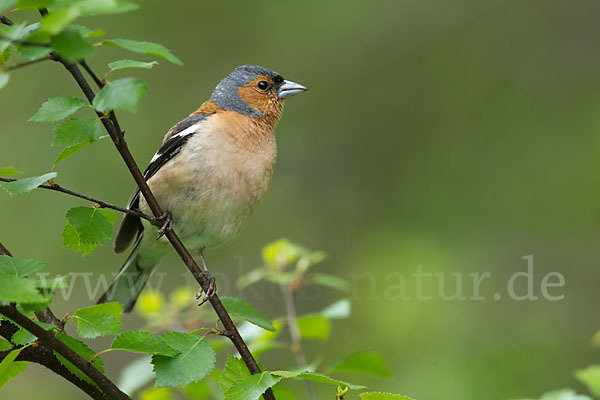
{"x": 42, "y": 355}
{"x": 116, "y": 134}
{"x": 26, "y": 63}
{"x": 102, "y": 204}
{"x": 48, "y": 339}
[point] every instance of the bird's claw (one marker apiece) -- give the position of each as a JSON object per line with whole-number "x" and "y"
{"x": 167, "y": 224}
{"x": 210, "y": 292}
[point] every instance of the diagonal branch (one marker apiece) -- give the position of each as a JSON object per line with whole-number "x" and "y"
{"x": 44, "y": 351}
{"x": 27, "y": 63}
{"x": 102, "y": 204}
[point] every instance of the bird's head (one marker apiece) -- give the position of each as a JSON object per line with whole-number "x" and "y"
{"x": 254, "y": 91}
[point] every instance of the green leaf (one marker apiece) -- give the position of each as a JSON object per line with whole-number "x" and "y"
{"x": 60, "y": 282}
{"x": 58, "y": 108}
{"x": 16, "y": 31}
{"x": 136, "y": 375}
{"x": 69, "y": 151}
{"x": 13, "y": 289}
{"x": 9, "y": 368}
{"x": 91, "y": 326}
{"x": 127, "y": 64}
{"x": 235, "y": 371}
{"x": 115, "y": 309}
{"x": 71, "y": 45}
{"x": 6, "y": 5}
{"x": 10, "y": 171}
{"x": 4, "y": 77}
{"x": 196, "y": 360}
{"x": 34, "y": 4}
{"x": 20, "y": 267}
{"x": 70, "y": 239}
{"x": 314, "y": 326}
{"x": 330, "y": 281}
{"x": 56, "y": 21}
{"x": 382, "y": 396}
{"x": 122, "y": 94}
{"x": 239, "y": 308}
{"x": 142, "y": 342}
{"x": 590, "y": 377}
{"x": 77, "y": 131}
{"x": 367, "y": 362}
{"x": 86, "y": 32}
{"x": 5, "y": 344}
{"x": 95, "y": 7}
{"x": 316, "y": 377}
{"x": 252, "y": 387}
{"x": 93, "y": 225}
{"x": 84, "y": 351}
{"x": 149, "y": 48}
{"x": 23, "y": 336}
{"x": 26, "y": 184}
{"x": 337, "y": 310}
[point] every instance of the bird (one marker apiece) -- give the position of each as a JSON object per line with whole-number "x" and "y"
{"x": 210, "y": 173}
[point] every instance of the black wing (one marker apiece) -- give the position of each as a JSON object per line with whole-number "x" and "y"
{"x": 131, "y": 226}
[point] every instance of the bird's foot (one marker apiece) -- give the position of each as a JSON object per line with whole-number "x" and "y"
{"x": 166, "y": 221}
{"x": 210, "y": 292}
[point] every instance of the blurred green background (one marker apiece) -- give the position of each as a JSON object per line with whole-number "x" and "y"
{"x": 457, "y": 136}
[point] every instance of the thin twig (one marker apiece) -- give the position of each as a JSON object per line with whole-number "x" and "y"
{"x": 101, "y": 203}
{"x": 292, "y": 319}
{"x": 24, "y": 64}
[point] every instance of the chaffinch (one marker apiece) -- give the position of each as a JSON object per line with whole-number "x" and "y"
{"x": 212, "y": 170}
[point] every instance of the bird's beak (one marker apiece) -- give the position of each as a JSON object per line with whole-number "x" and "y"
{"x": 290, "y": 88}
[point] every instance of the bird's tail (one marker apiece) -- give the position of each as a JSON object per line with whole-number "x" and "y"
{"x": 129, "y": 283}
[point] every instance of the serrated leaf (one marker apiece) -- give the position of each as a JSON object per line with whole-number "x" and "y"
{"x": 314, "y": 326}
{"x": 149, "y": 48}
{"x": 58, "y": 108}
{"x": 70, "y": 239}
{"x": 142, "y": 342}
{"x": 84, "y": 351}
{"x": 9, "y": 368}
{"x": 58, "y": 20}
{"x": 330, "y": 281}
{"x": 112, "y": 308}
{"x": 91, "y": 326}
{"x": 60, "y": 282}
{"x": 590, "y": 377}
{"x": 93, "y": 225}
{"x": 20, "y": 267}
{"x": 367, "y": 362}
{"x": 23, "y": 336}
{"x": 383, "y": 396}
{"x": 128, "y": 64}
{"x": 19, "y": 290}
{"x": 9, "y": 171}
{"x": 252, "y": 387}
{"x": 4, "y": 78}
{"x": 25, "y": 185}
{"x": 235, "y": 371}
{"x": 71, "y": 45}
{"x": 239, "y": 308}
{"x": 122, "y": 94}
{"x": 316, "y": 377}
{"x": 76, "y": 131}
{"x": 196, "y": 360}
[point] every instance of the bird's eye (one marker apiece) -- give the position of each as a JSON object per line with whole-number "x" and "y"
{"x": 263, "y": 85}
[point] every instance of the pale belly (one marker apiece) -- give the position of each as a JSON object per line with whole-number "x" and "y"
{"x": 211, "y": 191}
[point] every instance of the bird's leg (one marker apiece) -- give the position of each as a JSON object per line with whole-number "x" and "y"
{"x": 166, "y": 221}
{"x": 212, "y": 286}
